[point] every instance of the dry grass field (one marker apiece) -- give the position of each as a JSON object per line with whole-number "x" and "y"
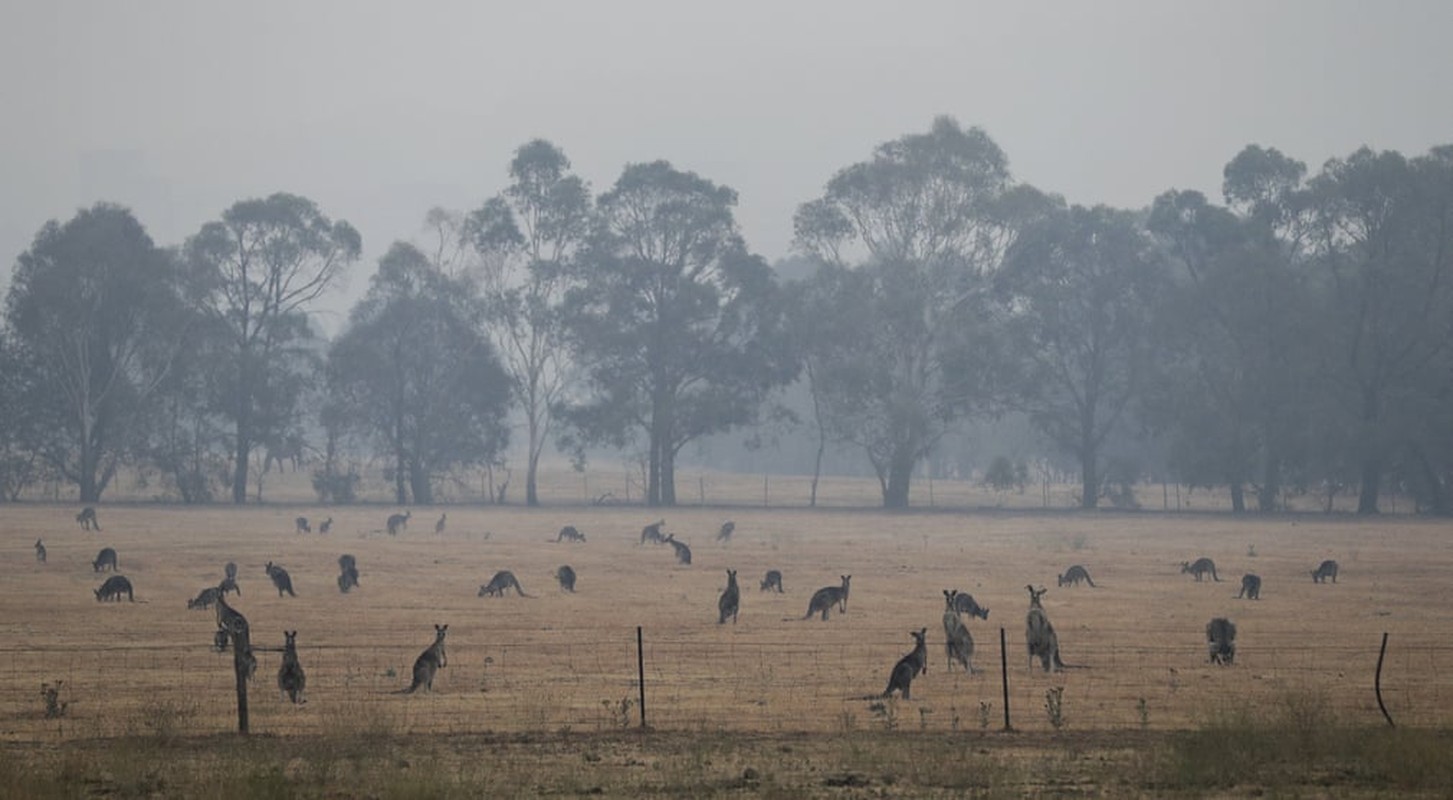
{"x": 525, "y": 675}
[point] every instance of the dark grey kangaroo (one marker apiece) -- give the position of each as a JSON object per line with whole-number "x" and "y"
{"x": 964, "y": 604}
{"x": 281, "y": 579}
{"x": 1039, "y": 634}
{"x": 39, "y": 551}
{"x": 725, "y": 534}
{"x": 500, "y": 583}
{"x": 300, "y": 525}
{"x": 88, "y": 520}
{"x": 772, "y": 580}
{"x": 290, "y": 677}
{"x": 439, "y": 526}
{"x": 1074, "y": 575}
{"x": 205, "y": 598}
{"x": 652, "y": 533}
{"x": 569, "y": 534}
{"x": 1221, "y": 640}
{"x": 1200, "y": 567}
{"x": 730, "y": 601}
{"x": 397, "y": 522}
{"x": 229, "y": 583}
{"x": 232, "y": 627}
{"x": 347, "y": 573}
{"x": 957, "y": 642}
{"x": 683, "y": 553}
{"x": 105, "y": 558}
{"x": 112, "y": 589}
{"x": 1250, "y": 587}
{"x": 1327, "y": 569}
{"x": 326, "y": 525}
{"x": 828, "y": 596}
{"x": 429, "y": 662}
{"x": 909, "y": 666}
{"x": 566, "y": 576}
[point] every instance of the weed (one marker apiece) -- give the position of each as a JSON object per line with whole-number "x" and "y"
{"x": 1251, "y": 551}
{"x": 886, "y": 712}
{"x": 1054, "y": 706}
{"x": 1143, "y": 711}
{"x": 55, "y": 708}
{"x": 619, "y": 711}
{"x": 984, "y": 708}
{"x": 923, "y": 718}
{"x": 166, "y": 719}
{"x": 953, "y": 722}
{"x": 847, "y": 721}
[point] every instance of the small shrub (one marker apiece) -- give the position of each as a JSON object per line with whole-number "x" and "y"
{"x": 984, "y": 708}
{"x": 1054, "y": 706}
{"x": 55, "y": 708}
{"x": 619, "y": 711}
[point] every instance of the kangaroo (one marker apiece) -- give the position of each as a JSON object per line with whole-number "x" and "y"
{"x": 397, "y": 522}
{"x": 439, "y": 526}
{"x": 1039, "y": 635}
{"x": 730, "y": 601}
{"x": 112, "y": 589}
{"x": 300, "y": 525}
{"x": 957, "y": 643}
{"x": 1327, "y": 569}
{"x": 204, "y": 598}
{"x": 280, "y": 578}
{"x": 909, "y": 666}
{"x": 1074, "y": 575}
{"x": 566, "y": 576}
{"x": 233, "y": 627}
{"x": 501, "y": 583}
{"x": 39, "y": 551}
{"x": 1250, "y": 587}
{"x": 828, "y": 596}
{"x": 569, "y": 534}
{"x": 347, "y": 573}
{"x": 683, "y": 553}
{"x": 725, "y": 534}
{"x": 88, "y": 520}
{"x": 964, "y": 604}
{"x": 1200, "y": 567}
{"x": 772, "y": 580}
{"x": 290, "y": 676}
{"x": 230, "y": 570}
{"x": 1221, "y": 640}
{"x": 652, "y": 533}
{"x": 326, "y": 525}
{"x": 429, "y": 662}
{"x": 105, "y": 558}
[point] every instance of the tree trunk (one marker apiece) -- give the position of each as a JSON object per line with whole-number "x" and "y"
{"x": 1270, "y": 486}
{"x": 1238, "y": 498}
{"x": 240, "y": 454}
{"x": 532, "y": 466}
{"x": 1371, "y": 482}
{"x": 1089, "y": 483}
{"x": 668, "y": 475}
{"x": 419, "y": 482}
{"x": 900, "y": 474}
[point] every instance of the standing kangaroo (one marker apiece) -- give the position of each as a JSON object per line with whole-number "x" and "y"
{"x": 772, "y": 580}
{"x": 439, "y": 526}
{"x": 112, "y": 589}
{"x": 347, "y": 573}
{"x": 39, "y": 551}
{"x": 232, "y": 627}
{"x": 725, "y": 534}
{"x": 730, "y": 601}
{"x": 300, "y": 525}
{"x": 1221, "y": 640}
{"x": 566, "y": 576}
{"x": 683, "y": 553}
{"x": 105, "y": 558}
{"x": 828, "y": 596}
{"x": 1074, "y": 575}
{"x": 397, "y": 522}
{"x": 326, "y": 525}
{"x": 958, "y": 644}
{"x": 569, "y": 533}
{"x": 909, "y": 666}
{"x": 290, "y": 676}
{"x": 1326, "y": 569}
{"x": 88, "y": 520}
{"x": 1199, "y": 568}
{"x": 281, "y": 579}
{"x": 652, "y": 533}
{"x": 500, "y": 583}
{"x": 1039, "y": 635}
{"x": 1250, "y": 587}
{"x": 429, "y": 662}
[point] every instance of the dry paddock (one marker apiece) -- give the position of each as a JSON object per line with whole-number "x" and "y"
{"x": 558, "y": 661}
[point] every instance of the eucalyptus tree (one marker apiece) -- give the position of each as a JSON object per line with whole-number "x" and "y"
{"x": 256, "y": 274}
{"x": 415, "y": 376}
{"x": 20, "y": 420}
{"x": 910, "y": 238}
{"x": 677, "y": 327}
{"x": 94, "y": 309}
{"x": 528, "y": 236}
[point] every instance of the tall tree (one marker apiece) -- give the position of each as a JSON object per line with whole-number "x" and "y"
{"x": 530, "y": 233}
{"x": 94, "y": 303}
{"x": 677, "y": 324}
{"x": 414, "y": 374}
{"x": 930, "y": 216}
{"x": 1082, "y": 284}
{"x": 256, "y": 273}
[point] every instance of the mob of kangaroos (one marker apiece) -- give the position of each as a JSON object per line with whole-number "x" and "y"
{"x": 500, "y": 583}
{"x": 1200, "y": 567}
{"x": 280, "y": 578}
{"x": 828, "y": 596}
{"x": 88, "y": 520}
{"x": 429, "y": 662}
{"x": 1326, "y": 569}
{"x": 909, "y": 666}
{"x": 730, "y": 601}
{"x": 290, "y": 677}
{"x": 958, "y": 644}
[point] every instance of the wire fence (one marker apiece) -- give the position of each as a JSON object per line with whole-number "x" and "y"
{"x": 563, "y": 679}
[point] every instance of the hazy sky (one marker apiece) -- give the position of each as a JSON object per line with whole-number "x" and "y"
{"x": 379, "y": 111}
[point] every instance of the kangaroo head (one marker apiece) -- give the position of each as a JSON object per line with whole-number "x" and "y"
{"x": 291, "y": 639}
{"x": 440, "y": 630}
{"x": 269, "y": 568}
{"x": 1034, "y": 595}
{"x": 948, "y": 597}
{"x": 98, "y": 593}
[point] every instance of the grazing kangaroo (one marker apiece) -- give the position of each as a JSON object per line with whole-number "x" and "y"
{"x": 1200, "y": 567}
{"x": 1221, "y": 640}
{"x": 205, "y": 598}
{"x": 105, "y": 558}
{"x": 347, "y": 573}
{"x": 1327, "y": 569}
{"x": 725, "y": 534}
{"x": 326, "y": 525}
{"x": 1039, "y": 635}
{"x": 1250, "y": 587}
{"x": 964, "y": 604}
{"x": 652, "y": 533}
{"x": 501, "y": 583}
{"x": 280, "y": 578}
{"x": 429, "y": 662}
{"x": 566, "y": 576}
{"x": 683, "y": 553}
{"x": 439, "y": 526}
{"x": 730, "y": 601}
{"x": 290, "y": 676}
{"x": 772, "y": 580}
{"x": 112, "y": 589}
{"x": 909, "y": 666}
{"x": 1074, "y": 575}
{"x": 300, "y": 525}
{"x": 569, "y": 534}
{"x": 828, "y": 596}
{"x": 958, "y": 644}
{"x": 397, "y": 522}
{"x": 88, "y": 520}
{"x": 39, "y": 551}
